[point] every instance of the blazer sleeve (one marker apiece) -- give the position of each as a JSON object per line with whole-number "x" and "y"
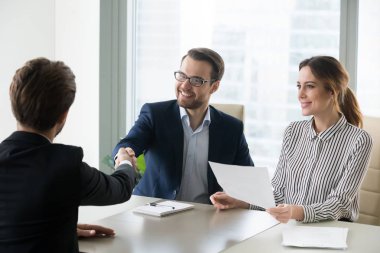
{"x": 98, "y": 188}
{"x": 140, "y": 134}
{"x": 243, "y": 157}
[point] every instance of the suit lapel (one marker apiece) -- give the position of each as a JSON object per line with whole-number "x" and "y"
{"x": 215, "y": 136}
{"x": 177, "y": 140}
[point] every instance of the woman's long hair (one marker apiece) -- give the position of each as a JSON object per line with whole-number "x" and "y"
{"x": 335, "y": 78}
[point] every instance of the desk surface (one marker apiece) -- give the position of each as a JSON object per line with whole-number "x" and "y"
{"x": 205, "y": 229}
{"x": 201, "y": 229}
{"x": 360, "y": 239}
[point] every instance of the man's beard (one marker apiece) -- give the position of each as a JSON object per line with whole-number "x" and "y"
{"x": 195, "y": 104}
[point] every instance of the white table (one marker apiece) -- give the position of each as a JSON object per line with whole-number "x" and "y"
{"x": 205, "y": 229}
{"x": 361, "y": 239}
{"x": 201, "y": 229}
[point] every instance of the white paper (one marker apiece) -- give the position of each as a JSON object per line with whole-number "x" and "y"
{"x": 316, "y": 237}
{"x": 247, "y": 183}
{"x": 163, "y": 208}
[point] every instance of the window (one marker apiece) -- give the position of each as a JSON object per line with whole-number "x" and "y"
{"x": 262, "y": 43}
{"x": 368, "y": 82}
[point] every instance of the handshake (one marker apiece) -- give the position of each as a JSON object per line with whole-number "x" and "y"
{"x": 126, "y": 155}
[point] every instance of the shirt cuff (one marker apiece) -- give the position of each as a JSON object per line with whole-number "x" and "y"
{"x": 125, "y": 162}
{"x": 309, "y": 214}
{"x": 254, "y": 207}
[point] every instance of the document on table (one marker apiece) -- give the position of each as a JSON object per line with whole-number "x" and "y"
{"x": 315, "y": 237}
{"x": 163, "y": 208}
{"x": 247, "y": 183}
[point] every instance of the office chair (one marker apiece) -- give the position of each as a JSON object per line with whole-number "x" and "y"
{"x": 235, "y": 110}
{"x": 369, "y": 205}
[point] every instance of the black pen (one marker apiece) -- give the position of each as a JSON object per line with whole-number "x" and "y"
{"x": 158, "y": 204}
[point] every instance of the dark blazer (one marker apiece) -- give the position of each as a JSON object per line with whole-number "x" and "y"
{"x": 158, "y": 133}
{"x": 41, "y": 186}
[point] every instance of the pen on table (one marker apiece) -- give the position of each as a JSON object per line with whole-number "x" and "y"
{"x": 158, "y": 204}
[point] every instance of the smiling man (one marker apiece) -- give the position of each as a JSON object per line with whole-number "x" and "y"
{"x": 179, "y": 137}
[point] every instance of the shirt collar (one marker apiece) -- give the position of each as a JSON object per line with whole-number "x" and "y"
{"x": 328, "y": 133}
{"x": 185, "y": 117}
{"x": 30, "y": 137}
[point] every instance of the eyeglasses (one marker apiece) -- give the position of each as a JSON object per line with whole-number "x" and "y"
{"x": 194, "y": 81}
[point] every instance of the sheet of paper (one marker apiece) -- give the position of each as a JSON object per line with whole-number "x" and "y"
{"x": 247, "y": 183}
{"x": 163, "y": 208}
{"x": 316, "y": 237}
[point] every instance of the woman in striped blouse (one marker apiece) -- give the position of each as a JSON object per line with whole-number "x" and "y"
{"x": 323, "y": 160}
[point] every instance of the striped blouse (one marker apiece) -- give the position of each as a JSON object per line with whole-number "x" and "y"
{"x": 322, "y": 172}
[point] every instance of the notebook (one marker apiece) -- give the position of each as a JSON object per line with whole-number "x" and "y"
{"x": 163, "y": 208}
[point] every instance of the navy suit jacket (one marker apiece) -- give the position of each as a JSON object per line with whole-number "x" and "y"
{"x": 158, "y": 133}
{"x": 41, "y": 186}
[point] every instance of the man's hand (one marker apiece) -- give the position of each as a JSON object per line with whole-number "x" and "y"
{"x": 126, "y": 154}
{"x": 88, "y": 230}
{"x": 223, "y": 201}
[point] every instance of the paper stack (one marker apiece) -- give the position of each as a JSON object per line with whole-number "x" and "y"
{"x": 315, "y": 237}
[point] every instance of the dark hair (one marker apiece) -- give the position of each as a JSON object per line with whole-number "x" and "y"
{"x": 210, "y": 56}
{"x": 40, "y": 92}
{"x": 335, "y": 78}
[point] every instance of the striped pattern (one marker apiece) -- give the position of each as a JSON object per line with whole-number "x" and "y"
{"x": 322, "y": 172}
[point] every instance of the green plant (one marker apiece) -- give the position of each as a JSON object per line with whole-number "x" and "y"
{"x": 141, "y": 164}
{"x": 108, "y": 161}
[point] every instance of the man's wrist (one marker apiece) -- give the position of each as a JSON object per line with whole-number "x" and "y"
{"x": 125, "y": 162}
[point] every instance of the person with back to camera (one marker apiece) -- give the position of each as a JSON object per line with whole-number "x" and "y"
{"x": 43, "y": 183}
{"x": 323, "y": 160}
{"x": 179, "y": 137}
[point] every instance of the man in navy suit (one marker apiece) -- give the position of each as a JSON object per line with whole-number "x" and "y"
{"x": 179, "y": 137}
{"x": 42, "y": 183}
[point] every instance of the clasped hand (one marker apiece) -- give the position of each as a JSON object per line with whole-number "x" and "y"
{"x": 126, "y": 154}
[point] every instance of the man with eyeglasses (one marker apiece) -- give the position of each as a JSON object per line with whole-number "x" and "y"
{"x": 179, "y": 137}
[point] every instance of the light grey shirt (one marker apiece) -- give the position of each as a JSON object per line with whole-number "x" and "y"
{"x": 194, "y": 186}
